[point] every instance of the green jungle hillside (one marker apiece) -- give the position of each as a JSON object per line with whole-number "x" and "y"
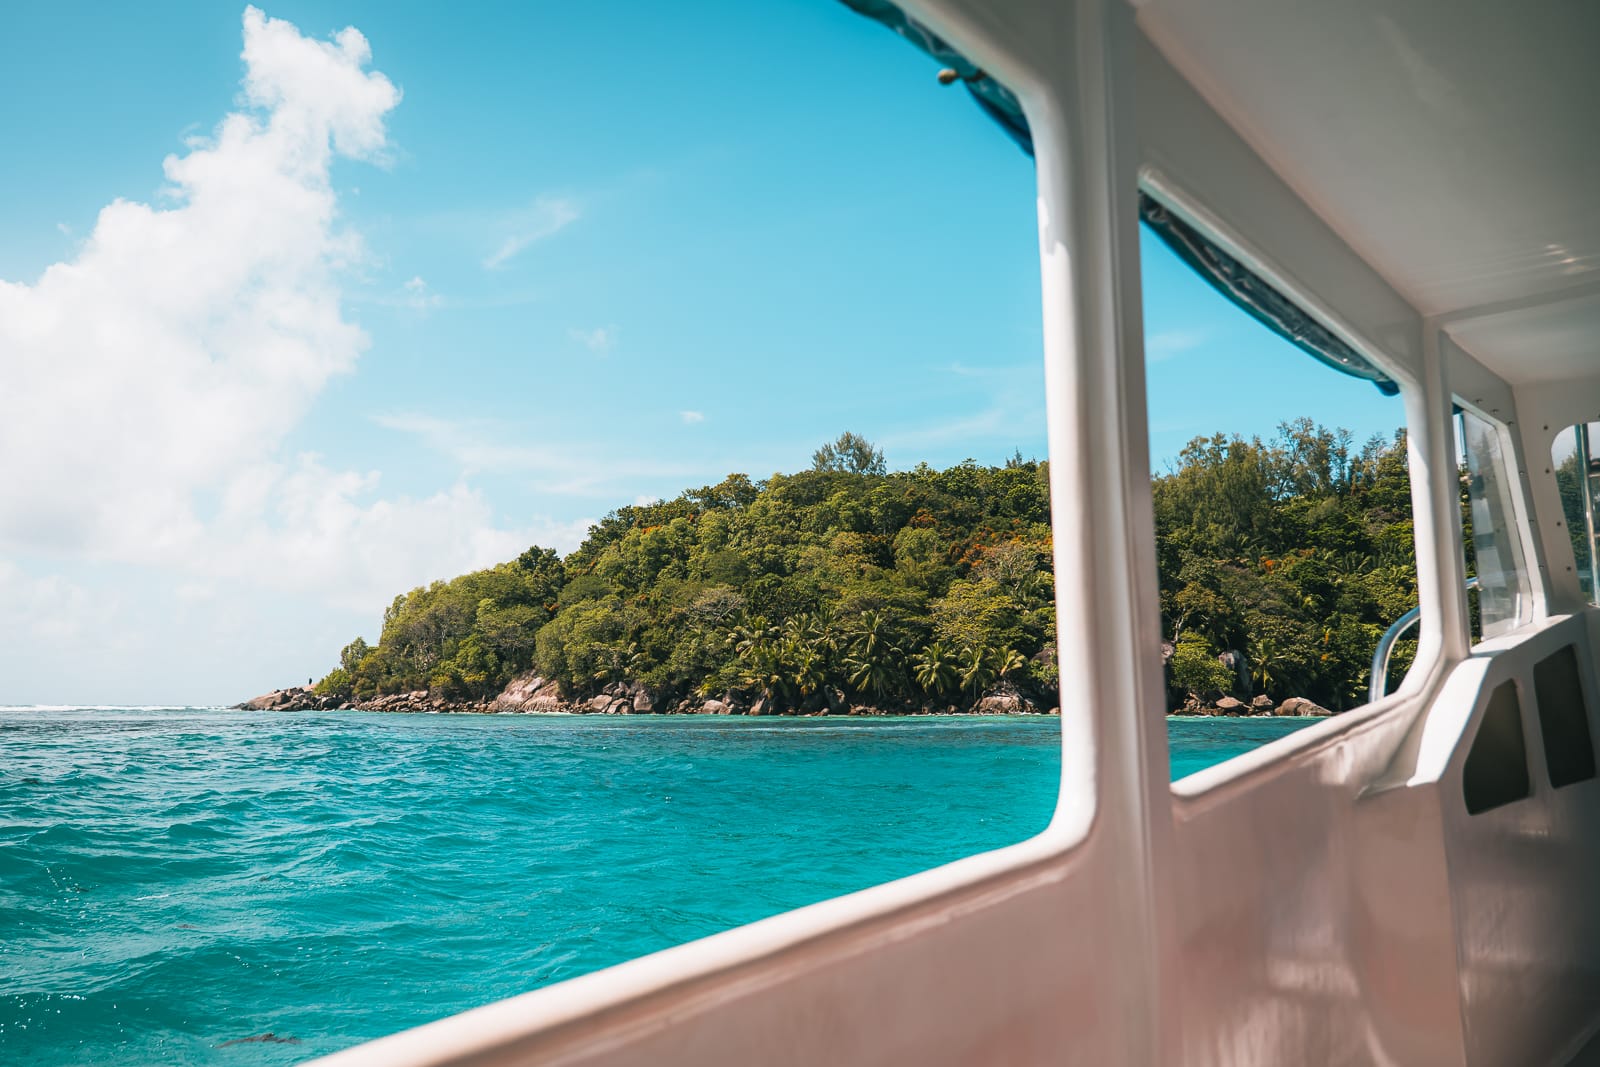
{"x": 924, "y": 589}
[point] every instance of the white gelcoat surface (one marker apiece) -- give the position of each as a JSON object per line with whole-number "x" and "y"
{"x": 1450, "y": 142}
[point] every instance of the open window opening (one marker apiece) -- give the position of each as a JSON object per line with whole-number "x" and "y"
{"x": 1282, "y": 501}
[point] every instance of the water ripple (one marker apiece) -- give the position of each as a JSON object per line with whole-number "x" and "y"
{"x": 176, "y": 883}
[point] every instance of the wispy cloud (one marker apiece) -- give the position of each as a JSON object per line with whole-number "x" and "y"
{"x": 598, "y": 340}
{"x": 570, "y": 469}
{"x": 468, "y": 446}
{"x": 691, "y": 417}
{"x": 1165, "y": 344}
{"x": 962, "y": 370}
{"x": 1004, "y": 402}
{"x": 547, "y": 216}
{"x": 991, "y": 422}
{"x": 416, "y": 294}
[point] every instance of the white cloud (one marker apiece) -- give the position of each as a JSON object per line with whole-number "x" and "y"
{"x": 47, "y": 607}
{"x": 181, "y": 343}
{"x": 546, "y": 217}
{"x": 300, "y": 521}
{"x": 691, "y": 417}
{"x": 149, "y": 383}
{"x": 598, "y": 340}
{"x": 316, "y": 91}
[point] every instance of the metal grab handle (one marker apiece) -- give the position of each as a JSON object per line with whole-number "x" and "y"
{"x": 1378, "y": 680}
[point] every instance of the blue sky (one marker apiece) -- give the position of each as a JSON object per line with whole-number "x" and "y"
{"x": 538, "y": 260}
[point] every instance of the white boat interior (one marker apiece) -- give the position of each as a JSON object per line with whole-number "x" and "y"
{"x": 1411, "y": 882}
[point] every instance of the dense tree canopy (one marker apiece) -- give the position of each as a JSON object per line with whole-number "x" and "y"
{"x": 925, "y": 587}
{"x": 1297, "y": 553}
{"x": 906, "y": 588}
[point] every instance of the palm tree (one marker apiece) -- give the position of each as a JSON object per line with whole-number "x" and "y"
{"x": 1007, "y": 661}
{"x": 936, "y": 669}
{"x": 753, "y": 633}
{"x": 1267, "y": 664}
{"x": 872, "y": 632}
{"x": 875, "y": 675}
{"x": 618, "y": 662}
{"x": 822, "y": 626}
{"x": 805, "y": 666}
{"x": 977, "y": 670}
{"x": 765, "y": 670}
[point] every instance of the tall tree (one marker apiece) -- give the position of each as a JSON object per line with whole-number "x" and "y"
{"x": 850, "y": 454}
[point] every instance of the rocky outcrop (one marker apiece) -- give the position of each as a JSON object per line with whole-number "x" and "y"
{"x": 530, "y": 694}
{"x": 1006, "y": 699}
{"x": 295, "y": 698}
{"x": 278, "y": 698}
{"x": 1300, "y": 707}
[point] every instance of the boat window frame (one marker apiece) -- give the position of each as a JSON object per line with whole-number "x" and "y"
{"x": 1215, "y": 782}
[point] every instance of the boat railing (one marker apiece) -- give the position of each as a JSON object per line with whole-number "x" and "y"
{"x": 1378, "y": 683}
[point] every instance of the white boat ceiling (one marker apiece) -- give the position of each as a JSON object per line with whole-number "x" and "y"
{"x": 1453, "y": 145}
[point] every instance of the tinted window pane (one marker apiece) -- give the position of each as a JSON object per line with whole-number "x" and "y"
{"x": 1574, "y": 472}
{"x": 1497, "y": 767}
{"x": 1564, "y": 719}
{"x": 1496, "y": 559}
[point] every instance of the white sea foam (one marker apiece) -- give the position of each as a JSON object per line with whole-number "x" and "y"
{"x": 111, "y": 707}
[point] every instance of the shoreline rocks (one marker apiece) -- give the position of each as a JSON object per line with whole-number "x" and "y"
{"x": 531, "y": 694}
{"x": 1259, "y": 707}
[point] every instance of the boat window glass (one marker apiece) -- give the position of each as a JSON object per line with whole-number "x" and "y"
{"x": 1564, "y": 718}
{"x": 1282, "y": 498}
{"x": 1496, "y": 771}
{"x": 1493, "y": 543}
{"x": 1575, "y": 472}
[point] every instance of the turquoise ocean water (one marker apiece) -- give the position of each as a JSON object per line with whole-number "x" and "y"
{"x": 174, "y": 881}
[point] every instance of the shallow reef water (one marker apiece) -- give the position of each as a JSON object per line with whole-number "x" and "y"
{"x": 196, "y": 886}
